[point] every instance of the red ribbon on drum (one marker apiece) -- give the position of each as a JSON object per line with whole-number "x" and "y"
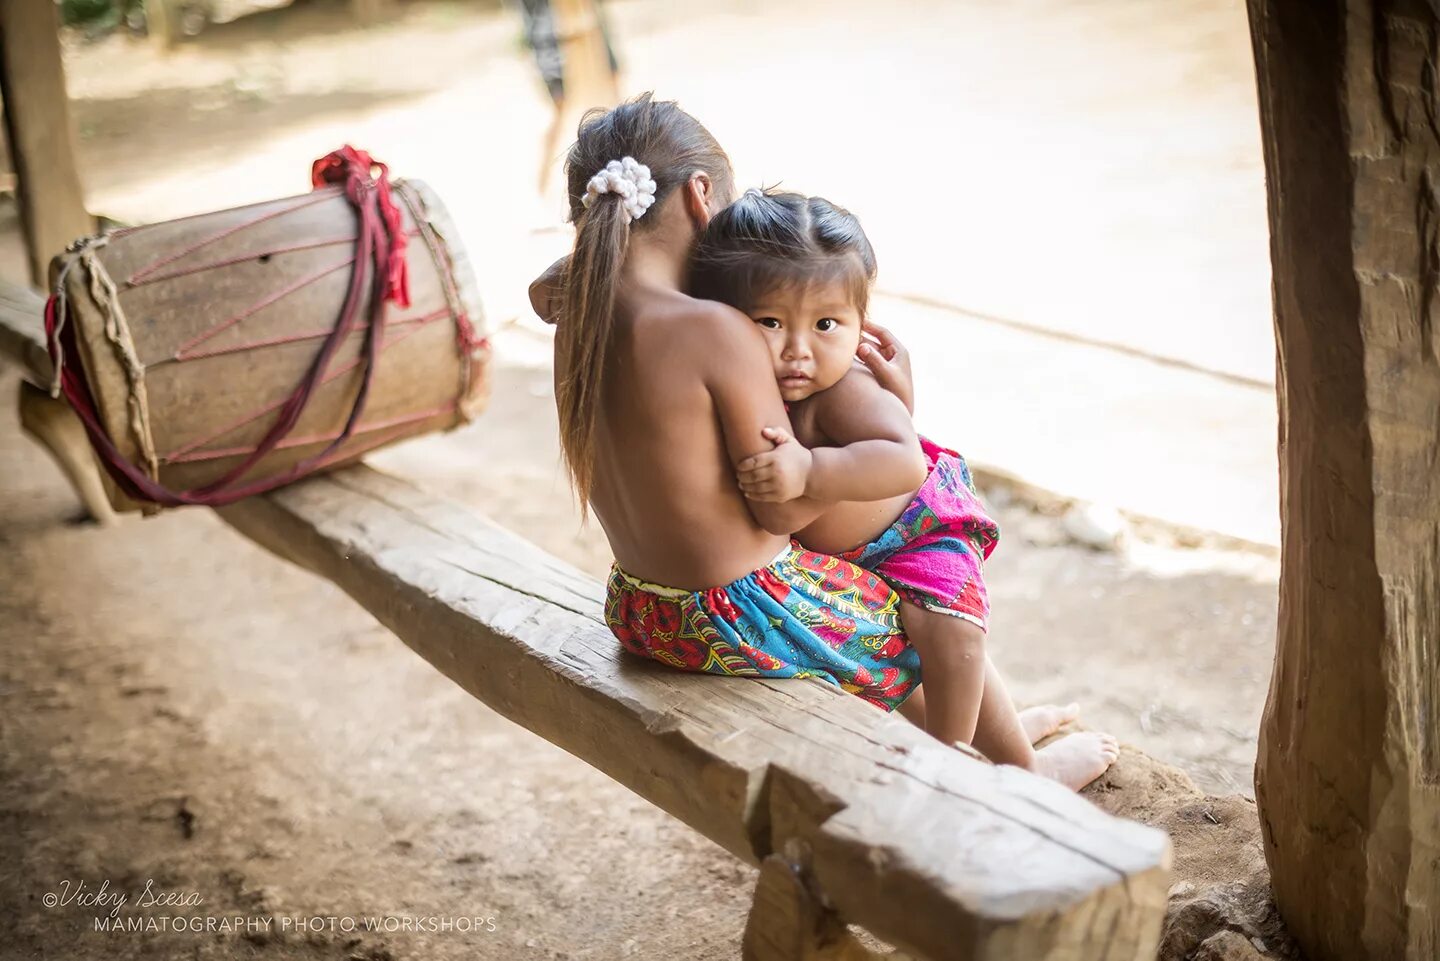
{"x": 352, "y": 167}
{"x": 380, "y": 254}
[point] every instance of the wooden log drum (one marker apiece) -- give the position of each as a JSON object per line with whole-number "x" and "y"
{"x": 221, "y": 355}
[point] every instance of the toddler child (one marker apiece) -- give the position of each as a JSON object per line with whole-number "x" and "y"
{"x": 890, "y": 501}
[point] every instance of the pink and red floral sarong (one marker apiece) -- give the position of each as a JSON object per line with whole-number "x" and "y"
{"x": 934, "y": 554}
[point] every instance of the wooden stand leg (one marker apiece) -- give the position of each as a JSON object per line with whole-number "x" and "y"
{"x": 162, "y": 22}
{"x": 53, "y": 425}
{"x": 788, "y": 923}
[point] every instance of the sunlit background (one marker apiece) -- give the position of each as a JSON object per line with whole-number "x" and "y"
{"x": 1066, "y": 198}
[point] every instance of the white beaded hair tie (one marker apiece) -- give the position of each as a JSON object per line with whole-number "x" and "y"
{"x": 628, "y": 178}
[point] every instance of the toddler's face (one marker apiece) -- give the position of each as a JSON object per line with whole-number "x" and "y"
{"x": 813, "y": 333}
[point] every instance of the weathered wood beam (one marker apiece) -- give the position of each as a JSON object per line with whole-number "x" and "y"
{"x": 930, "y": 849}
{"x": 40, "y": 131}
{"x": 1348, "y": 775}
{"x": 588, "y": 82}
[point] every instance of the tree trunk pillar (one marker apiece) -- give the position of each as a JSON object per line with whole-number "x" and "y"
{"x": 1348, "y": 773}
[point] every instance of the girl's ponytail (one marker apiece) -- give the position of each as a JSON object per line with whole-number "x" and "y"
{"x": 582, "y": 338}
{"x": 623, "y": 161}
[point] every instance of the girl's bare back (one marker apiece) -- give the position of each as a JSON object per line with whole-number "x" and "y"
{"x": 682, "y": 395}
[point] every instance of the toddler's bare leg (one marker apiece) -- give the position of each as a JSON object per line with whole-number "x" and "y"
{"x": 1006, "y": 736}
{"x": 1000, "y": 734}
{"x": 952, "y": 657}
{"x": 965, "y": 688}
{"x": 1039, "y": 721}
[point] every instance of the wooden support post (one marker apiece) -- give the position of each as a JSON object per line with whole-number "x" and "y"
{"x": 372, "y": 11}
{"x": 41, "y": 135}
{"x": 1348, "y": 775}
{"x": 788, "y": 921}
{"x": 163, "y": 23}
{"x": 588, "y": 80}
{"x": 48, "y": 421}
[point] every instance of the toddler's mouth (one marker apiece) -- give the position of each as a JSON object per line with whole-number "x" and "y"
{"x": 795, "y": 378}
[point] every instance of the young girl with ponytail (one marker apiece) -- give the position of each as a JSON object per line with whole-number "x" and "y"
{"x": 660, "y": 396}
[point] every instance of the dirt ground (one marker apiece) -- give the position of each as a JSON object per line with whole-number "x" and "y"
{"x": 177, "y": 705}
{"x": 182, "y": 707}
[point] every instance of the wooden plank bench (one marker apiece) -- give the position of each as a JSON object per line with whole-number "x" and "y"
{"x": 853, "y": 816}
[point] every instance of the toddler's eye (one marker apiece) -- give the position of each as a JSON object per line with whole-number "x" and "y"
{"x": 826, "y": 323}
{"x": 769, "y": 322}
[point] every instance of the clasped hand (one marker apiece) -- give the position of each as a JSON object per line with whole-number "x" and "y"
{"x": 783, "y": 472}
{"x": 779, "y": 474}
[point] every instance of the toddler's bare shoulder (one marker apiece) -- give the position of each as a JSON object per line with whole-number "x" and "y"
{"x": 857, "y": 407}
{"x": 857, "y": 386}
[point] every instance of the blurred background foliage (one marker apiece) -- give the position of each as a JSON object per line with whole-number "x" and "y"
{"x": 96, "y": 18}
{"x": 98, "y": 14}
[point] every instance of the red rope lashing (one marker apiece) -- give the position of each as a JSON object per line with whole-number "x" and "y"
{"x": 382, "y": 247}
{"x": 345, "y": 166}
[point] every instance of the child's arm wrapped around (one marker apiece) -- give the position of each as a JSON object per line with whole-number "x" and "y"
{"x": 876, "y": 453}
{"x": 738, "y": 377}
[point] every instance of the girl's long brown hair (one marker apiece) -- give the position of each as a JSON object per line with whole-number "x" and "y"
{"x": 674, "y": 146}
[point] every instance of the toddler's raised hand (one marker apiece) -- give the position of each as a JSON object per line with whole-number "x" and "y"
{"x": 889, "y": 361}
{"x": 777, "y": 475}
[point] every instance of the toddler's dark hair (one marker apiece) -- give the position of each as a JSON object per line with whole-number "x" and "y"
{"x": 768, "y": 240}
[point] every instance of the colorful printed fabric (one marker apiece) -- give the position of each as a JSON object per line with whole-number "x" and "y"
{"x": 802, "y": 615}
{"x": 934, "y": 554}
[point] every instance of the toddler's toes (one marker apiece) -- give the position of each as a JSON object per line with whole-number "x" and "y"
{"x": 1043, "y": 720}
{"x": 1077, "y": 759}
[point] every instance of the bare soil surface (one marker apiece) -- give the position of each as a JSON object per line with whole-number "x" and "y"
{"x": 180, "y": 707}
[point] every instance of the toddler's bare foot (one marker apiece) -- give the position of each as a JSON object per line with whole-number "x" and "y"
{"x": 1077, "y": 759}
{"x": 1043, "y": 720}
